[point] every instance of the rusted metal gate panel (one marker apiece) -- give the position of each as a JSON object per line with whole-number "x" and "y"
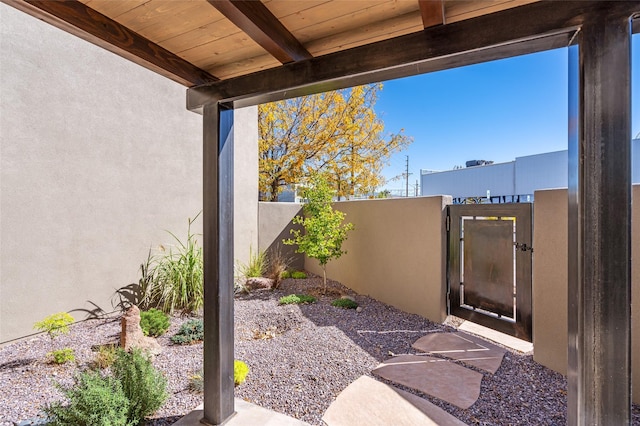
{"x": 489, "y": 271}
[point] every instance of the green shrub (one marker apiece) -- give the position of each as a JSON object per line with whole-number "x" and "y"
{"x": 62, "y": 356}
{"x": 298, "y": 275}
{"x": 344, "y": 303}
{"x": 285, "y": 274}
{"x": 296, "y": 299}
{"x": 190, "y": 332}
{"x": 173, "y": 280}
{"x": 154, "y": 322}
{"x": 55, "y": 324}
{"x": 143, "y": 385}
{"x": 93, "y": 400}
{"x": 240, "y": 371}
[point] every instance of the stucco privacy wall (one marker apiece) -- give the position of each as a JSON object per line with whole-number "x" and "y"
{"x": 396, "y": 253}
{"x": 98, "y": 157}
{"x": 550, "y": 282}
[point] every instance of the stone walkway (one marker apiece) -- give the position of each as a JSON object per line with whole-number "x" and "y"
{"x": 441, "y": 371}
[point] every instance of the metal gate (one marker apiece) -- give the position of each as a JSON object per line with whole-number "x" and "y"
{"x": 489, "y": 271}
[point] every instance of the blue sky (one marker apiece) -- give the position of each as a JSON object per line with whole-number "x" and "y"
{"x": 492, "y": 111}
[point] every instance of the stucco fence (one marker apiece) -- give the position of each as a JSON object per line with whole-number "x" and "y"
{"x": 397, "y": 254}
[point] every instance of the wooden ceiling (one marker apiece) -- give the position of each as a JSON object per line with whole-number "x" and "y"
{"x": 200, "y": 41}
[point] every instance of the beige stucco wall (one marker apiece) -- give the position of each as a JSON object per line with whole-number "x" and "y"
{"x": 550, "y": 282}
{"x": 395, "y": 254}
{"x": 98, "y": 157}
{"x": 550, "y": 279}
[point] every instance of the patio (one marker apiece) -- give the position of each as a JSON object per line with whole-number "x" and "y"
{"x": 234, "y": 54}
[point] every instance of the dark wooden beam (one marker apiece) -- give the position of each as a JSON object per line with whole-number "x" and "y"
{"x": 89, "y": 24}
{"x": 432, "y": 12}
{"x": 521, "y": 30}
{"x": 253, "y": 17}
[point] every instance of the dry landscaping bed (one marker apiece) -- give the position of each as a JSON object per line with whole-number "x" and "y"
{"x": 301, "y": 357}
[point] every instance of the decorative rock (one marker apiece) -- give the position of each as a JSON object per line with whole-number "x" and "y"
{"x": 132, "y": 335}
{"x": 359, "y": 309}
{"x": 346, "y": 296}
{"x": 255, "y": 283}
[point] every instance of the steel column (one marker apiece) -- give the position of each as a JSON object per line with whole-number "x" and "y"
{"x": 599, "y": 369}
{"x": 218, "y": 263}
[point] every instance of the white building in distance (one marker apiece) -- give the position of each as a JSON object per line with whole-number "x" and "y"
{"x": 514, "y": 181}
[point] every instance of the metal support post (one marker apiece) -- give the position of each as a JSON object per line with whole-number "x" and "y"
{"x": 218, "y": 263}
{"x": 599, "y": 363}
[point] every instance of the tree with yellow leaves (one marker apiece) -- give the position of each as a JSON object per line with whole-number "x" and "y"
{"x": 336, "y": 132}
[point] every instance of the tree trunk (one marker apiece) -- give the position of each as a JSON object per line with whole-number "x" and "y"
{"x": 324, "y": 279}
{"x": 274, "y": 191}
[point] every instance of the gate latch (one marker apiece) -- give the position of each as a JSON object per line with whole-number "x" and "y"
{"x": 524, "y": 247}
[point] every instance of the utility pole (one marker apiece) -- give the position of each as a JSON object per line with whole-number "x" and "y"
{"x": 406, "y": 176}
{"x": 416, "y": 188}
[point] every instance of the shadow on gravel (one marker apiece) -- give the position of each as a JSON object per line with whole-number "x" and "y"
{"x": 379, "y": 329}
{"x": 11, "y": 365}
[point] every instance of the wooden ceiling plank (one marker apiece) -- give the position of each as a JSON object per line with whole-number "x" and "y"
{"x": 432, "y": 12}
{"x": 154, "y": 11}
{"x": 88, "y": 24}
{"x": 494, "y": 36}
{"x": 324, "y": 21}
{"x": 111, "y": 8}
{"x": 261, "y": 25}
{"x": 200, "y": 36}
{"x": 365, "y": 34}
{"x": 456, "y": 11}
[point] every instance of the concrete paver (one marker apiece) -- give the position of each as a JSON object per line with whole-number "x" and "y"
{"x": 433, "y": 376}
{"x": 463, "y": 347}
{"x": 370, "y": 402}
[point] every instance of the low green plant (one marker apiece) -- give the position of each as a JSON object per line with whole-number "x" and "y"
{"x": 344, "y": 303}
{"x": 297, "y": 299}
{"x": 298, "y": 275}
{"x": 61, "y": 356}
{"x": 240, "y": 371}
{"x": 93, "y": 400}
{"x": 143, "y": 385}
{"x": 173, "y": 280}
{"x": 55, "y": 324}
{"x": 154, "y": 322}
{"x": 190, "y": 332}
{"x": 105, "y": 356}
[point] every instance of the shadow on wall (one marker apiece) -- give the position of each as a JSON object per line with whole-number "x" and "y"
{"x": 274, "y": 226}
{"x": 121, "y": 300}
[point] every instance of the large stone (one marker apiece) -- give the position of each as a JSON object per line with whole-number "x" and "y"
{"x": 255, "y": 283}
{"x": 132, "y": 335}
{"x": 436, "y": 377}
{"x": 463, "y": 347}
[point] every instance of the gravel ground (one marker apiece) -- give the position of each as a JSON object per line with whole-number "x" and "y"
{"x": 301, "y": 358}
